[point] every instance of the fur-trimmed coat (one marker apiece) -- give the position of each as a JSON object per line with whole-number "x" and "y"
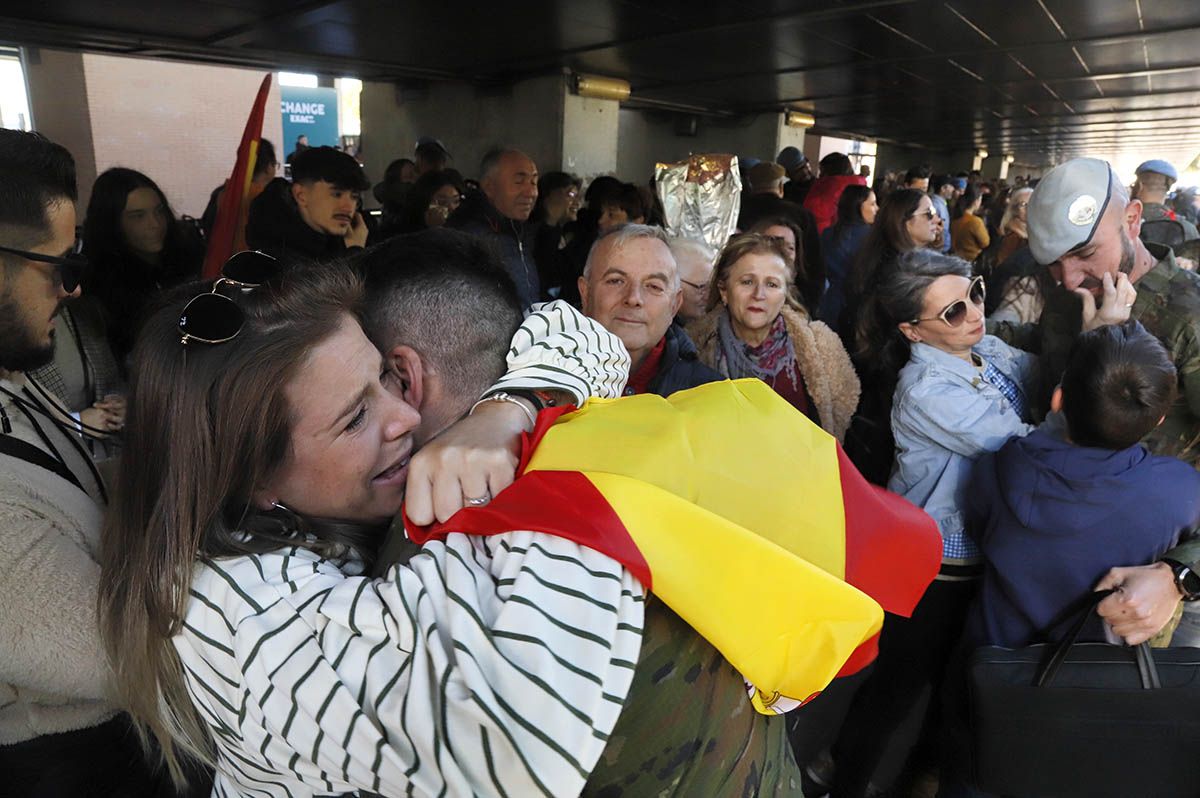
{"x": 829, "y": 376}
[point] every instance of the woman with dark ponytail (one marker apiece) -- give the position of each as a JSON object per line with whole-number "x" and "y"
{"x": 957, "y": 394}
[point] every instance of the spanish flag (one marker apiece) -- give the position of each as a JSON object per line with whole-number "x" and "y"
{"x": 739, "y": 513}
{"x": 229, "y": 230}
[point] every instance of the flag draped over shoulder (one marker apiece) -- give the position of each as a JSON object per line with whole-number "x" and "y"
{"x": 229, "y": 230}
{"x": 742, "y": 516}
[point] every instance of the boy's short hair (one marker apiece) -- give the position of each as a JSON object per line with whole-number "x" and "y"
{"x": 331, "y": 165}
{"x": 628, "y": 199}
{"x": 1118, "y": 385}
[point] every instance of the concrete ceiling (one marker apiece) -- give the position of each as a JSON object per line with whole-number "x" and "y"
{"x": 1041, "y": 78}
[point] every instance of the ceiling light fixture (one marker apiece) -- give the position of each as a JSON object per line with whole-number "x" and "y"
{"x": 798, "y": 119}
{"x": 602, "y": 88}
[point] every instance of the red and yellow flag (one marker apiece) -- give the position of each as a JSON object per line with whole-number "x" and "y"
{"x": 229, "y": 230}
{"x": 739, "y": 513}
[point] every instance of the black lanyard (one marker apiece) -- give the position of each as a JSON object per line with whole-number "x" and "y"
{"x": 31, "y": 402}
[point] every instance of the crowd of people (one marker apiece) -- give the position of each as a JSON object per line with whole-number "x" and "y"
{"x": 210, "y": 491}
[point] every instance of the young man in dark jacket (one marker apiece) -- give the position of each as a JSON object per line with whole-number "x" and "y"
{"x": 1055, "y": 513}
{"x": 631, "y": 285}
{"x": 316, "y": 216}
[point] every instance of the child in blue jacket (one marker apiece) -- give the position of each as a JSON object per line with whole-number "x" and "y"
{"x": 1053, "y": 515}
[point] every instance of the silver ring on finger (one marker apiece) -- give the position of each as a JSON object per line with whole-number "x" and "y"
{"x": 479, "y": 502}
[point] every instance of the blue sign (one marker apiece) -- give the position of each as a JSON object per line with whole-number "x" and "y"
{"x": 309, "y": 112}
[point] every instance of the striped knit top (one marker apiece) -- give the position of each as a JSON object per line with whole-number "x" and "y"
{"x": 482, "y": 666}
{"x": 485, "y": 666}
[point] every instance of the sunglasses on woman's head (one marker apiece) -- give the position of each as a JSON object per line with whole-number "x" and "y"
{"x": 955, "y": 313}
{"x": 213, "y": 317}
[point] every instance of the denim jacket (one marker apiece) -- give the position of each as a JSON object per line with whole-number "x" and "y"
{"x": 944, "y": 415}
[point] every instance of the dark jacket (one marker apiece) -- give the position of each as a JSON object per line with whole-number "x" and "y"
{"x": 125, "y": 287}
{"x": 275, "y": 227}
{"x": 1051, "y": 518}
{"x": 839, "y": 247}
{"x": 680, "y": 368}
{"x": 515, "y": 242}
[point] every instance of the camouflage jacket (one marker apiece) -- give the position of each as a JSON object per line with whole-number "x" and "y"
{"x": 688, "y": 728}
{"x": 1168, "y": 305}
{"x": 1156, "y": 211}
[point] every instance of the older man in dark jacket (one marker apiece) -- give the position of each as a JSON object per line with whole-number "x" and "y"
{"x": 631, "y": 285}
{"x": 500, "y": 214}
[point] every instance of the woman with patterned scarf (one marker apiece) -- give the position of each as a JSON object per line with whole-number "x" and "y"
{"x": 756, "y": 327}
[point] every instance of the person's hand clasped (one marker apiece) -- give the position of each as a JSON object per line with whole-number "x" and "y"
{"x": 467, "y": 465}
{"x": 1144, "y": 601}
{"x": 105, "y": 416}
{"x": 1114, "y": 307}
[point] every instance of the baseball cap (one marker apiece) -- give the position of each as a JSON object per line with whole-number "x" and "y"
{"x": 1066, "y": 207}
{"x": 1160, "y": 166}
{"x": 960, "y": 183}
{"x": 791, "y": 159}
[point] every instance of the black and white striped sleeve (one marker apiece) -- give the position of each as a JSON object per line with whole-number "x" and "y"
{"x": 558, "y": 348}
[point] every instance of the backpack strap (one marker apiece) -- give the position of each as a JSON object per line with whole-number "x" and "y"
{"x": 15, "y": 447}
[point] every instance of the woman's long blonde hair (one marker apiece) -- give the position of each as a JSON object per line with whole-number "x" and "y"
{"x": 207, "y": 424}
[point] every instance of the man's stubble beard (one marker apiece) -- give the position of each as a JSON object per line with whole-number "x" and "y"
{"x": 1128, "y": 256}
{"x": 19, "y": 349}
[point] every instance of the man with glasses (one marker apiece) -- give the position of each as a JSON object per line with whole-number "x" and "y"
{"x": 694, "y": 259}
{"x": 631, "y": 285}
{"x": 59, "y": 733}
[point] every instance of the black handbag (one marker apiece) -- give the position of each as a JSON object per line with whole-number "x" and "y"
{"x": 1085, "y": 719}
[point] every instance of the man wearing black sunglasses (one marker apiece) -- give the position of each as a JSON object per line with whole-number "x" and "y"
{"x": 59, "y": 733}
{"x": 38, "y": 276}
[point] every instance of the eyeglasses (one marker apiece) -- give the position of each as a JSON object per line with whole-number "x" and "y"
{"x": 1020, "y": 204}
{"x": 697, "y": 286}
{"x": 928, "y": 213}
{"x": 447, "y": 202}
{"x": 213, "y": 317}
{"x": 955, "y": 313}
{"x": 68, "y": 268}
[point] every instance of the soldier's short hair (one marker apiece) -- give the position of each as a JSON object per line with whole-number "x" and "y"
{"x": 1118, "y": 384}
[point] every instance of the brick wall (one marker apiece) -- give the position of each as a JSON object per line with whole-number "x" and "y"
{"x": 179, "y": 123}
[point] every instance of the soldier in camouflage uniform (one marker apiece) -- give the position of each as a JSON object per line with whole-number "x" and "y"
{"x": 1083, "y": 225}
{"x": 1154, "y": 180}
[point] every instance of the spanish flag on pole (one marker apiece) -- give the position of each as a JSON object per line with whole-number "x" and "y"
{"x": 740, "y": 514}
{"x": 229, "y": 230}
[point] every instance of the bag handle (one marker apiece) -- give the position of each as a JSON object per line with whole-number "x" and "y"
{"x": 1082, "y": 609}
